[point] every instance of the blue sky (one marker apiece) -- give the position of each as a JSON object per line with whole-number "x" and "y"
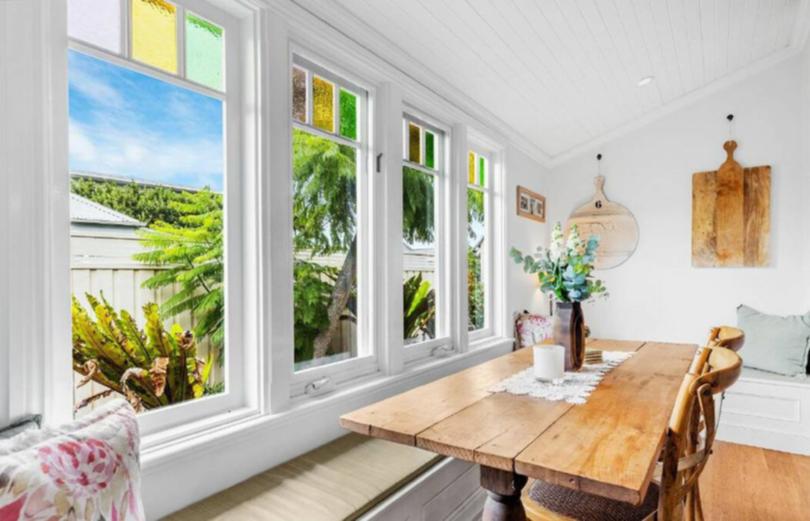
{"x": 126, "y": 123}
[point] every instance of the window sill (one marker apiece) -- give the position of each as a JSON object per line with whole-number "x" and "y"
{"x": 234, "y": 426}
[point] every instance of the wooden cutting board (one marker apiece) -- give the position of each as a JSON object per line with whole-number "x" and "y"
{"x": 731, "y": 219}
{"x": 614, "y": 224}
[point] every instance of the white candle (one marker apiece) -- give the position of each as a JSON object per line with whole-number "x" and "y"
{"x": 549, "y": 362}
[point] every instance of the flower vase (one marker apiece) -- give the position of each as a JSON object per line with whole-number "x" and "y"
{"x": 569, "y": 332}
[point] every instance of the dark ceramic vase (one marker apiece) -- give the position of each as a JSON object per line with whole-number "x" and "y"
{"x": 569, "y": 332}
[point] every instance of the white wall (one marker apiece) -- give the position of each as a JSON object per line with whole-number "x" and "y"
{"x": 657, "y": 294}
{"x": 805, "y": 65}
{"x": 524, "y": 234}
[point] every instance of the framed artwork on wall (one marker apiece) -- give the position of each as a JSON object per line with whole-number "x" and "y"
{"x": 531, "y": 205}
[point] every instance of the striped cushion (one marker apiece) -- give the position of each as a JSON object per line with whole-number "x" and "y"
{"x": 338, "y": 481}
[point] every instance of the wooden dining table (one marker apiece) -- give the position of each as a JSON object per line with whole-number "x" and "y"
{"x": 608, "y": 446}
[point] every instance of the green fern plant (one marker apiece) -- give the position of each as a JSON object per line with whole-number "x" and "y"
{"x": 191, "y": 256}
{"x": 151, "y": 367}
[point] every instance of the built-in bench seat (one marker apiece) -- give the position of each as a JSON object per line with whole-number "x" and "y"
{"x": 339, "y": 481}
{"x": 768, "y": 410}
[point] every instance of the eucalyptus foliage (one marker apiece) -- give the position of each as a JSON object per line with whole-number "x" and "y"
{"x": 565, "y": 267}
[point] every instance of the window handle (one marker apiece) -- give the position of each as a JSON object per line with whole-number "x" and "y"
{"x": 379, "y": 162}
{"x": 317, "y": 386}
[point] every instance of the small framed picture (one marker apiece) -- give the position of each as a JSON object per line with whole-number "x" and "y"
{"x": 524, "y": 203}
{"x": 531, "y": 205}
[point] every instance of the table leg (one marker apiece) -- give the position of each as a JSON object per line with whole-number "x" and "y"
{"x": 503, "y": 495}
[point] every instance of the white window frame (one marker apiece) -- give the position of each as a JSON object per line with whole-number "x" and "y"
{"x": 156, "y": 424}
{"x": 443, "y": 344}
{"x": 488, "y": 253}
{"x": 314, "y": 381}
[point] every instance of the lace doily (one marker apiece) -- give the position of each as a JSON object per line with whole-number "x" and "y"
{"x": 573, "y": 387}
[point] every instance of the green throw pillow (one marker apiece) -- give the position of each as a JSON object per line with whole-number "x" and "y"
{"x": 773, "y": 343}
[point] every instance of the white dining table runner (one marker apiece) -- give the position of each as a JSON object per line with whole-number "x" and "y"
{"x": 573, "y": 387}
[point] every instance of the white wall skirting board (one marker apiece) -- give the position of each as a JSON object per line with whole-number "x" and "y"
{"x": 768, "y": 411}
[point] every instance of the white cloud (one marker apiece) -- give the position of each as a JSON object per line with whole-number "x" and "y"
{"x": 133, "y": 152}
{"x": 81, "y": 147}
{"x": 94, "y": 88}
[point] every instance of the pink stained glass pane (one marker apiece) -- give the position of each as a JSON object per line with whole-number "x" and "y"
{"x": 97, "y": 22}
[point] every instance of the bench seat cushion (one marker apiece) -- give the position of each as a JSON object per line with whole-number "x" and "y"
{"x": 338, "y": 481}
{"x": 757, "y": 374}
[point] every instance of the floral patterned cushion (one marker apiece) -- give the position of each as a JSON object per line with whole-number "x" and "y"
{"x": 531, "y": 329}
{"x": 86, "y": 470}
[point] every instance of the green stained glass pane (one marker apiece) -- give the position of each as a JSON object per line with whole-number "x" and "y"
{"x": 471, "y": 168}
{"x": 430, "y": 150}
{"x": 414, "y": 144}
{"x": 204, "y": 44}
{"x": 482, "y": 169}
{"x": 299, "y": 88}
{"x": 323, "y": 104}
{"x": 348, "y": 114}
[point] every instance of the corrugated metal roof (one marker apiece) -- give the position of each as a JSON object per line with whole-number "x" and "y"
{"x": 83, "y": 210}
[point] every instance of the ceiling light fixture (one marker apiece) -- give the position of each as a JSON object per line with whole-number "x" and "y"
{"x": 646, "y": 80}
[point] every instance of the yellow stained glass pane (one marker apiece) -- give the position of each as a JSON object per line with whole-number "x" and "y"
{"x": 471, "y": 168}
{"x": 154, "y": 33}
{"x": 323, "y": 104}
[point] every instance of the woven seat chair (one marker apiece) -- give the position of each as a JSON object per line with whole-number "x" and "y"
{"x": 673, "y": 492}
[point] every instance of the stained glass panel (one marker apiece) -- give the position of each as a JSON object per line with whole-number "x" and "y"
{"x": 154, "y": 33}
{"x": 204, "y": 52}
{"x": 430, "y": 150}
{"x": 414, "y": 144}
{"x": 348, "y": 114}
{"x": 97, "y": 22}
{"x": 482, "y": 168}
{"x": 471, "y": 168}
{"x": 299, "y": 88}
{"x": 323, "y": 104}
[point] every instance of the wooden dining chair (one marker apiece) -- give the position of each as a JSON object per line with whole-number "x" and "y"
{"x": 673, "y": 494}
{"x": 731, "y": 338}
{"x": 726, "y": 336}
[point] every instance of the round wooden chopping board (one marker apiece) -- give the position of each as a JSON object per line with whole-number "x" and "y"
{"x": 614, "y": 224}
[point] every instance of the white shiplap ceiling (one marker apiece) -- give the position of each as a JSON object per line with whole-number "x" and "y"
{"x": 563, "y": 74}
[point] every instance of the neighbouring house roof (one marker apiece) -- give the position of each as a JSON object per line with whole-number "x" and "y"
{"x": 85, "y": 211}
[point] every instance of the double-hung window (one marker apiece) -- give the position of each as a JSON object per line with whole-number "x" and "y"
{"x": 331, "y": 230}
{"x": 426, "y": 296}
{"x": 479, "y": 244}
{"x": 155, "y": 201}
